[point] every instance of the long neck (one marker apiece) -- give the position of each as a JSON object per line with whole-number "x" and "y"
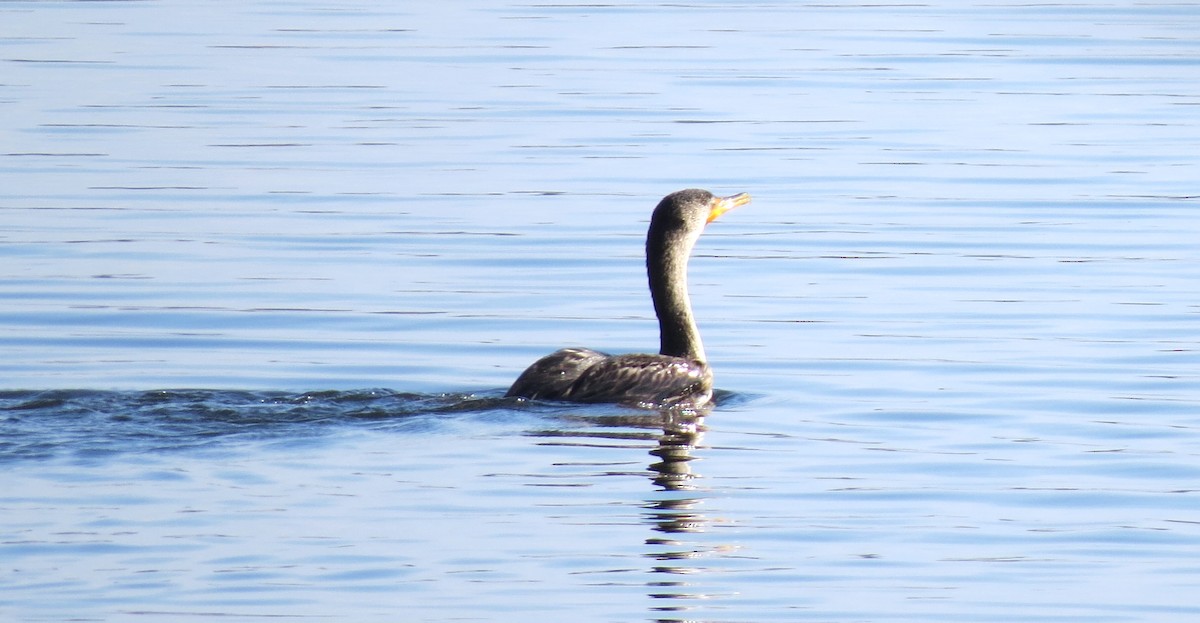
{"x": 666, "y": 264}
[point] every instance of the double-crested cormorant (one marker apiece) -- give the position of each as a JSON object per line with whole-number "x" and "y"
{"x": 679, "y": 374}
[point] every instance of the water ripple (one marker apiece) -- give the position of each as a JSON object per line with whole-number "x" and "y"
{"x": 45, "y": 423}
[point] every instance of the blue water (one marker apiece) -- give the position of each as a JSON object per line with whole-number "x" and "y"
{"x": 266, "y": 270}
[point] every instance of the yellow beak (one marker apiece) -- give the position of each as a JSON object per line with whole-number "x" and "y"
{"x": 721, "y": 205}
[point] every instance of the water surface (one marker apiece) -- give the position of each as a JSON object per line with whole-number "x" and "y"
{"x": 265, "y": 272}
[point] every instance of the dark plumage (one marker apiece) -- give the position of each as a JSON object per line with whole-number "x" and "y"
{"x": 679, "y": 375}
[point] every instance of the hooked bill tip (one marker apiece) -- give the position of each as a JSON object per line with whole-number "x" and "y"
{"x": 722, "y": 205}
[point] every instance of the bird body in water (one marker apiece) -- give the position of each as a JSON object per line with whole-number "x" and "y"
{"x": 679, "y": 374}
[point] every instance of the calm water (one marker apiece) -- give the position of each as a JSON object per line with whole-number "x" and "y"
{"x": 266, "y": 269}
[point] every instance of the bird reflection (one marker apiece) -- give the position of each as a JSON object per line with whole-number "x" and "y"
{"x": 681, "y": 434}
{"x": 672, "y": 512}
{"x": 675, "y": 548}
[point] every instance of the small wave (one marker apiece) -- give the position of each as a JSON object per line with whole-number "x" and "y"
{"x": 41, "y": 424}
